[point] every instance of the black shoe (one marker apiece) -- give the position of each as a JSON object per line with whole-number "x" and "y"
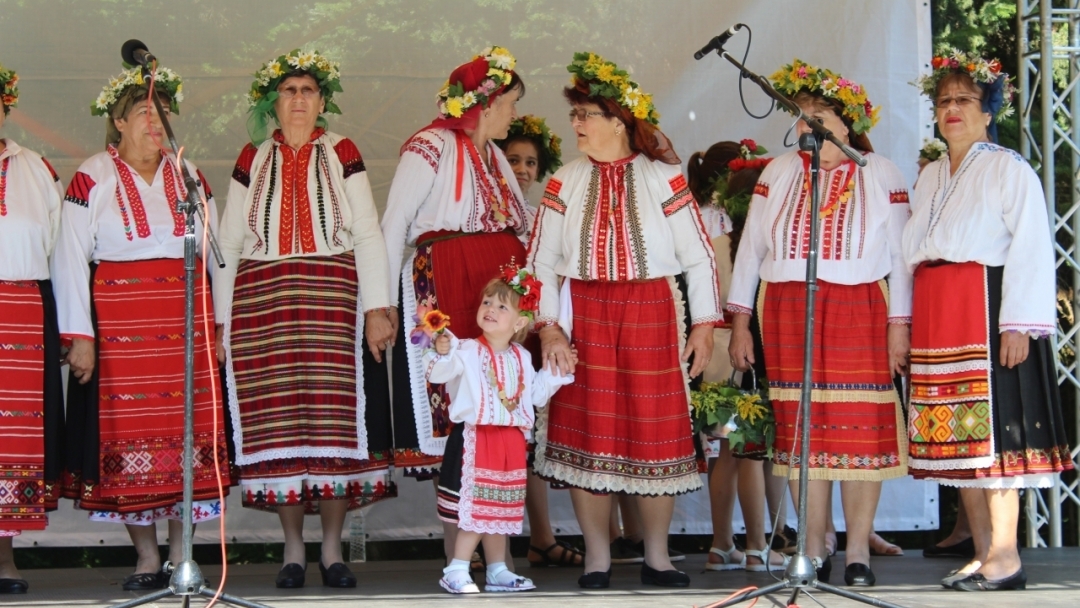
{"x": 595, "y": 580}
{"x": 964, "y": 549}
{"x": 146, "y": 581}
{"x": 291, "y": 576}
{"x": 978, "y": 582}
{"x": 13, "y": 586}
{"x": 824, "y": 570}
{"x": 623, "y": 551}
{"x": 673, "y": 555}
{"x": 859, "y": 575}
{"x": 663, "y": 578}
{"x": 337, "y": 575}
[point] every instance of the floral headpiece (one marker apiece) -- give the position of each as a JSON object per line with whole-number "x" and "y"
{"x": 607, "y": 80}
{"x": 799, "y": 76}
{"x": 165, "y": 81}
{"x": 534, "y": 128}
{"x": 453, "y": 100}
{"x": 264, "y": 93}
{"x": 9, "y": 89}
{"x": 932, "y": 149}
{"x": 526, "y": 285}
{"x": 986, "y": 74}
{"x": 737, "y": 205}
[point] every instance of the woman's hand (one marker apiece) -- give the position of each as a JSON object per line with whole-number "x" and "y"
{"x": 898, "y": 340}
{"x": 81, "y": 358}
{"x": 1014, "y": 348}
{"x": 219, "y": 343}
{"x": 379, "y": 331}
{"x": 395, "y": 319}
{"x": 556, "y": 350}
{"x": 699, "y": 344}
{"x": 741, "y": 346}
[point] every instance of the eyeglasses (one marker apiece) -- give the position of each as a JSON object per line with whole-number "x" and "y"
{"x": 961, "y": 101}
{"x": 305, "y": 92}
{"x": 583, "y": 115}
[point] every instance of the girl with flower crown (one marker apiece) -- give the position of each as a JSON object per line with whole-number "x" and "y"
{"x": 32, "y": 459}
{"x": 615, "y": 229}
{"x": 119, "y": 273}
{"x": 493, "y": 391}
{"x": 985, "y": 410}
{"x": 862, "y": 338}
{"x": 305, "y": 296}
{"x": 454, "y": 198}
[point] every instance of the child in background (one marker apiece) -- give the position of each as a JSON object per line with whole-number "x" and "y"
{"x": 493, "y": 390}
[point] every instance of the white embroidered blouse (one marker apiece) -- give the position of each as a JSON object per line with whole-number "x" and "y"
{"x": 315, "y": 201}
{"x": 424, "y": 195}
{"x": 472, "y": 377}
{"x": 632, "y": 219}
{"x": 110, "y": 214}
{"x": 30, "y": 195}
{"x": 863, "y": 212}
{"x": 991, "y": 211}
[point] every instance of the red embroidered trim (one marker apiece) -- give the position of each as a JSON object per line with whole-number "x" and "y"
{"x": 899, "y": 197}
{"x": 242, "y": 171}
{"x": 618, "y": 223}
{"x": 303, "y": 200}
{"x": 602, "y": 227}
{"x": 761, "y": 189}
{"x": 138, "y": 211}
{"x": 78, "y": 191}
{"x": 678, "y": 201}
{"x": 494, "y": 205}
{"x": 350, "y": 157}
{"x": 174, "y": 199}
{"x": 3, "y": 186}
{"x": 553, "y": 188}
{"x": 52, "y": 171}
{"x": 551, "y": 198}
{"x": 288, "y": 201}
{"x": 205, "y": 184}
{"x": 426, "y": 150}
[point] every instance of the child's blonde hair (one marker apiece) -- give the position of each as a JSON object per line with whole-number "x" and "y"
{"x": 498, "y": 288}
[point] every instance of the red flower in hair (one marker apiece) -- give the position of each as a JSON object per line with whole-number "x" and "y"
{"x": 750, "y": 144}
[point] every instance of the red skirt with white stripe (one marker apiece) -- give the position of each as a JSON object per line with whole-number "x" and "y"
{"x": 482, "y": 479}
{"x": 624, "y": 424}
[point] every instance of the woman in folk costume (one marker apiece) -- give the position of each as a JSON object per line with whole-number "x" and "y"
{"x": 305, "y": 296}
{"x": 454, "y": 198}
{"x": 119, "y": 273}
{"x": 32, "y": 423}
{"x": 615, "y": 228}
{"x": 985, "y": 410}
{"x": 861, "y": 329}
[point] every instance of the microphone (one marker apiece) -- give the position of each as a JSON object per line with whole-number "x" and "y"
{"x": 717, "y": 43}
{"x": 134, "y": 52}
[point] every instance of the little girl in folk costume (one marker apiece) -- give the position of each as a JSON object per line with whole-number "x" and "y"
{"x": 493, "y": 390}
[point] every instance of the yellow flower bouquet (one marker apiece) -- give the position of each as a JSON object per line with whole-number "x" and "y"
{"x": 722, "y": 409}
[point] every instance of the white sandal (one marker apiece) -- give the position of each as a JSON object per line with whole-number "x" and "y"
{"x": 458, "y": 581}
{"x": 729, "y": 563}
{"x": 765, "y": 565}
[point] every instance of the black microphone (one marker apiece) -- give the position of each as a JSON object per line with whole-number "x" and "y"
{"x": 134, "y": 52}
{"x": 717, "y": 43}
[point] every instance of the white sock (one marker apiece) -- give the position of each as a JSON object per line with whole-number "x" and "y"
{"x": 499, "y": 574}
{"x": 457, "y": 565}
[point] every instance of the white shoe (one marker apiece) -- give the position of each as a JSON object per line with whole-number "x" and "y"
{"x": 458, "y": 581}
{"x": 729, "y": 562}
{"x": 765, "y": 565}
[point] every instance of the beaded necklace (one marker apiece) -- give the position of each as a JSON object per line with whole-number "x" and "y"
{"x": 498, "y": 377}
{"x": 3, "y": 186}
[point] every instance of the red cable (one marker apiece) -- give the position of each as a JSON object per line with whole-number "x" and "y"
{"x": 734, "y": 595}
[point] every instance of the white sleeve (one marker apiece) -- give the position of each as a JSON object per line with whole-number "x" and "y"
{"x": 231, "y": 241}
{"x": 900, "y": 280}
{"x": 440, "y": 369}
{"x": 545, "y": 384}
{"x": 368, "y": 245}
{"x": 1029, "y": 286}
{"x": 544, "y": 250}
{"x": 693, "y": 249}
{"x": 70, "y": 266}
{"x": 753, "y": 247}
{"x": 412, "y": 184}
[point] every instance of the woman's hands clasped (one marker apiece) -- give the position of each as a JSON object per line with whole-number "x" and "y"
{"x": 81, "y": 358}
{"x": 380, "y": 329}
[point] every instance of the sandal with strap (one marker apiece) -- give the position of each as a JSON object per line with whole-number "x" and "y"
{"x": 570, "y": 557}
{"x": 765, "y": 565}
{"x": 729, "y": 562}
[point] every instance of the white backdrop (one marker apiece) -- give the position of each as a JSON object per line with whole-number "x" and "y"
{"x": 395, "y": 55}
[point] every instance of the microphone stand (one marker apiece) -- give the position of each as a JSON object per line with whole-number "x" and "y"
{"x": 800, "y": 573}
{"x": 187, "y": 580}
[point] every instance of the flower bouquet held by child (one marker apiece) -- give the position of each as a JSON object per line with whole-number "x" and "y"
{"x": 494, "y": 391}
{"x": 722, "y": 409}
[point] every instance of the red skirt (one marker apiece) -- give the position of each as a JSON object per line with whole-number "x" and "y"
{"x": 482, "y": 479}
{"x": 449, "y": 272}
{"x": 624, "y": 424}
{"x": 855, "y": 416}
{"x": 25, "y": 494}
{"x": 140, "y": 374}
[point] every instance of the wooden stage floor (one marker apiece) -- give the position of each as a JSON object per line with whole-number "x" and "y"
{"x": 1053, "y": 575}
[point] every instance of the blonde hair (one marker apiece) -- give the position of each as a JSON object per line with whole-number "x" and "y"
{"x": 498, "y": 288}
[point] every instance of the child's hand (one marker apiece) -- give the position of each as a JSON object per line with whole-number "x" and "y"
{"x": 442, "y": 344}
{"x": 573, "y": 356}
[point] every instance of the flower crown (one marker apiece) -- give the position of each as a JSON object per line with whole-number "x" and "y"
{"x": 799, "y": 75}
{"x": 9, "y": 89}
{"x": 932, "y": 149}
{"x": 165, "y": 81}
{"x": 737, "y": 205}
{"x": 326, "y": 73}
{"x": 454, "y": 101}
{"x": 526, "y": 285}
{"x": 534, "y": 128}
{"x": 607, "y": 80}
{"x": 984, "y": 72}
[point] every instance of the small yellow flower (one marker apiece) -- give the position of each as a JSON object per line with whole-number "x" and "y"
{"x": 454, "y": 107}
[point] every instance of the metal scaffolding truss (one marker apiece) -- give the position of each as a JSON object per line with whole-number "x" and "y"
{"x": 1048, "y": 37}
